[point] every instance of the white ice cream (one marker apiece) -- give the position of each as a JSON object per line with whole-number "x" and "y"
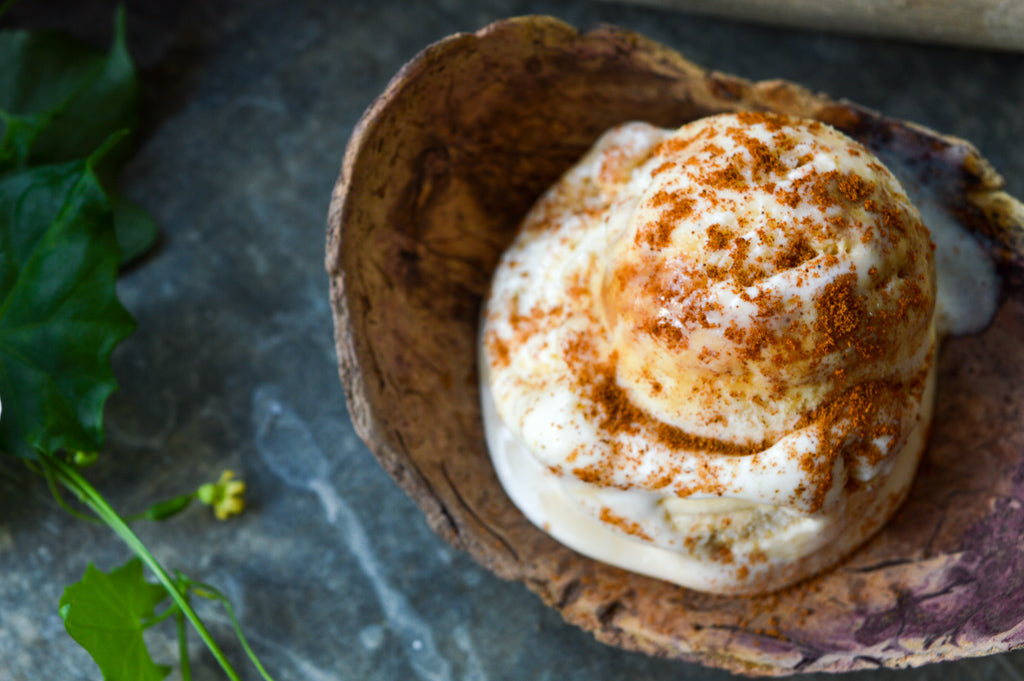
{"x": 709, "y": 354}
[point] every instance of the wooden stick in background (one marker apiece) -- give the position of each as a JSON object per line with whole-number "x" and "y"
{"x": 995, "y": 24}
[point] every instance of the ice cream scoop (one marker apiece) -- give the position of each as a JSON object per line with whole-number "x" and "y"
{"x": 709, "y": 355}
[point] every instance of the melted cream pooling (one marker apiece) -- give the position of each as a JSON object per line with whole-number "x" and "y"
{"x": 737, "y": 521}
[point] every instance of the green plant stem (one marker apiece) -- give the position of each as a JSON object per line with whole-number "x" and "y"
{"x": 186, "y": 668}
{"x": 172, "y": 611}
{"x": 47, "y": 473}
{"x": 217, "y": 595}
{"x": 87, "y": 494}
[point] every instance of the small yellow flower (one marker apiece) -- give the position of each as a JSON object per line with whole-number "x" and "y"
{"x": 226, "y": 496}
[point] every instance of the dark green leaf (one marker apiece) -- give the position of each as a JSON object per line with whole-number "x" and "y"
{"x": 136, "y": 229}
{"x": 169, "y": 508}
{"x": 81, "y": 94}
{"x": 107, "y": 612}
{"x": 60, "y": 318}
{"x": 20, "y": 133}
{"x": 60, "y": 100}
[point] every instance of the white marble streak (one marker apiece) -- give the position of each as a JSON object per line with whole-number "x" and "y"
{"x": 474, "y": 668}
{"x": 287, "y": 447}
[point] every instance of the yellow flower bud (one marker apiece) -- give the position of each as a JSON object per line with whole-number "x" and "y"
{"x": 226, "y": 496}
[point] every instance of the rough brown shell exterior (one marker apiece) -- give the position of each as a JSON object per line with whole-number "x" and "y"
{"x": 435, "y": 179}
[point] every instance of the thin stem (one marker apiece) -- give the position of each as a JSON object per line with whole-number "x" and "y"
{"x": 45, "y": 471}
{"x": 216, "y": 594}
{"x": 169, "y": 612}
{"x": 186, "y": 667}
{"x": 69, "y": 477}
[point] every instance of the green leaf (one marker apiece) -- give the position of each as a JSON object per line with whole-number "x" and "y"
{"x": 20, "y": 133}
{"x": 82, "y": 94}
{"x": 167, "y": 509}
{"x": 60, "y": 100}
{"x": 107, "y": 613}
{"x": 60, "y": 318}
{"x": 136, "y": 229}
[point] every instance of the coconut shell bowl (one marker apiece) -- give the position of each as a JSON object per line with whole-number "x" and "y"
{"x": 437, "y": 175}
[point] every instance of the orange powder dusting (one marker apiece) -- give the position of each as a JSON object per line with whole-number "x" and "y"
{"x": 618, "y": 162}
{"x": 707, "y": 354}
{"x": 675, "y": 207}
{"x": 795, "y": 253}
{"x": 722, "y": 552}
{"x": 840, "y": 313}
{"x": 616, "y": 411}
{"x": 818, "y": 468}
{"x": 667, "y": 165}
{"x": 743, "y": 273}
{"x": 853, "y": 420}
{"x": 678, "y": 440}
{"x": 766, "y": 161}
{"x": 718, "y": 237}
{"x": 911, "y": 301}
{"x": 674, "y": 146}
{"x": 627, "y": 526}
{"x": 771, "y": 121}
{"x": 715, "y": 549}
{"x": 611, "y": 408}
{"x": 498, "y": 349}
{"x": 729, "y": 177}
{"x": 893, "y": 219}
{"x": 665, "y": 331}
{"x": 789, "y": 197}
{"x": 758, "y": 339}
{"x": 853, "y": 187}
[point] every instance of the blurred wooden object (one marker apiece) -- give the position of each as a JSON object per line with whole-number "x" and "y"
{"x": 995, "y": 24}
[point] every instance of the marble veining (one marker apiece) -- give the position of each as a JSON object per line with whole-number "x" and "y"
{"x": 287, "y": 446}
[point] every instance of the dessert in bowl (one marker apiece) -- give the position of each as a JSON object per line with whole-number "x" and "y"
{"x": 709, "y": 355}
{"x": 432, "y": 192}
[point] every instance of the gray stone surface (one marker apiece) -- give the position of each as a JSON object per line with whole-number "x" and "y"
{"x": 332, "y": 570}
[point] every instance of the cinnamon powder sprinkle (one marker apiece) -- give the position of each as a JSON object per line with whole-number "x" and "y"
{"x": 766, "y": 161}
{"x": 718, "y": 238}
{"x": 676, "y": 207}
{"x": 498, "y": 349}
{"x": 853, "y": 420}
{"x": 627, "y": 526}
{"x": 796, "y": 252}
{"x": 772, "y": 122}
{"x": 840, "y": 313}
{"x": 853, "y": 187}
{"x": 667, "y": 165}
{"x": 729, "y": 177}
{"x": 610, "y": 407}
